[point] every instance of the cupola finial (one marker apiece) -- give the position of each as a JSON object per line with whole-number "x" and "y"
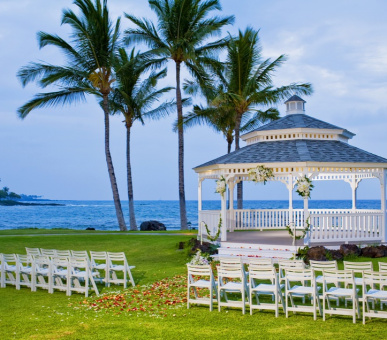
{"x": 295, "y": 104}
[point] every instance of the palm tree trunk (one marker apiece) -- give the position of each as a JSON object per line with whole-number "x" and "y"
{"x": 112, "y": 176}
{"x": 240, "y": 184}
{"x": 132, "y": 217}
{"x": 183, "y": 211}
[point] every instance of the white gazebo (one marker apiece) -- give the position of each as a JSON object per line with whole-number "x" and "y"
{"x": 295, "y": 146}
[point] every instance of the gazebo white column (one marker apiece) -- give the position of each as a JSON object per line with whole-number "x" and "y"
{"x": 223, "y": 215}
{"x": 231, "y": 186}
{"x": 383, "y": 204}
{"x": 290, "y": 188}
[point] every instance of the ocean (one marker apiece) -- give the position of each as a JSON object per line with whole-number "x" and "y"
{"x": 101, "y": 214}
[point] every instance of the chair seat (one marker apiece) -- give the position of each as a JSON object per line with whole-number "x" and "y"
{"x": 201, "y": 283}
{"x": 118, "y": 267}
{"x": 340, "y": 291}
{"x": 43, "y": 271}
{"x": 232, "y": 286}
{"x": 377, "y": 294}
{"x": 100, "y": 266}
{"x": 302, "y": 290}
{"x": 264, "y": 287}
{"x": 319, "y": 279}
{"x": 10, "y": 268}
{"x": 358, "y": 281}
{"x": 60, "y": 273}
{"x": 26, "y": 270}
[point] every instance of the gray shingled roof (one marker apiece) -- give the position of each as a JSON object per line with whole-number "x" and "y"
{"x": 298, "y": 120}
{"x": 297, "y": 151}
{"x": 295, "y": 98}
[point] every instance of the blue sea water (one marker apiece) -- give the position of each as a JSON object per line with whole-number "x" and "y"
{"x": 101, "y": 214}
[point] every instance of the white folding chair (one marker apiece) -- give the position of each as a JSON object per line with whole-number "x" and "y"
{"x": 308, "y": 287}
{"x": 48, "y": 252}
{"x": 339, "y": 279}
{"x": 282, "y": 264}
{"x": 99, "y": 264}
{"x": 201, "y": 277}
{"x": 320, "y": 266}
{"x": 62, "y": 253}
{"x": 232, "y": 279}
{"x": 9, "y": 269}
{"x": 59, "y": 274}
{"x": 263, "y": 272}
{"x": 358, "y": 268}
{"x": 33, "y": 251}
{"x": 2, "y": 272}
{"x": 41, "y": 272}
{"x": 80, "y": 254}
{"x": 80, "y": 276}
{"x": 374, "y": 279}
{"x": 117, "y": 262}
{"x": 24, "y": 271}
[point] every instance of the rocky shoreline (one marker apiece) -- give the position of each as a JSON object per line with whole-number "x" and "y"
{"x": 10, "y": 203}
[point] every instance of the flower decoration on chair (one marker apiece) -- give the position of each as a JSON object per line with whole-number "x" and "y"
{"x": 221, "y": 186}
{"x": 199, "y": 259}
{"x": 304, "y": 187}
{"x": 260, "y": 174}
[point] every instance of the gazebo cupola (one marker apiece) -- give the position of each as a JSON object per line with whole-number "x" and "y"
{"x": 295, "y": 104}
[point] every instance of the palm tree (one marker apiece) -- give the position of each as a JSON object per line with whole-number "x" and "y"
{"x": 249, "y": 82}
{"x": 90, "y": 55}
{"x": 183, "y": 30}
{"x": 134, "y": 99}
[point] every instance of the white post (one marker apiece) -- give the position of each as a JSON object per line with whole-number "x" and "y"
{"x": 354, "y": 184}
{"x": 383, "y": 205}
{"x": 200, "y": 207}
{"x": 223, "y": 215}
{"x": 231, "y": 213}
{"x": 306, "y": 216}
{"x": 290, "y": 188}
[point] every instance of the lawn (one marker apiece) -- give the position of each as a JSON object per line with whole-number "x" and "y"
{"x": 160, "y": 270}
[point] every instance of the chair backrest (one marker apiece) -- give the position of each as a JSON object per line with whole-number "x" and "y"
{"x": 234, "y": 272}
{"x": 80, "y": 254}
{"x": 383, "y": 266}
{"x": 358, "y": 267}
{"x": 199, "y": 270}
{"x": 288, "y": 264}
{"x": 33, "y": 251}
{"x": 9, "y": 261}
{"x": 59, "y": 262}
{"x": 77, "y": 263}
{"x": 374, "y": 279}
{"x": 23, "y": 260}
{"x": 48, "y": 252}
{"x": 98, "y": 255}
{"x": 262, "y": 272}
{"x": 261, "y": 262}
{"x": 339, "y": 276}
{"x": 63, "y": 253}
{"x": 293, "y": 274}
{"x": 323, "y": 265}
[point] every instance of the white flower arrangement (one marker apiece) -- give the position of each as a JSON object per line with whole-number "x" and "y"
{"x": 199, "y": 260}
{"x": 304, "y": 187}
{"x": 260, "y": 174}
{"x": 221, "y": 186}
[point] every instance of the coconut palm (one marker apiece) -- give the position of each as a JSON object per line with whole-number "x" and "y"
{"x": 134, "y": 98}
{"x": 183, "y": 30}
{"x": 249, "y": 82}
{"x": 90, "y": 54}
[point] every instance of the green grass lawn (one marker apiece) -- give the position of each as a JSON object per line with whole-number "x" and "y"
{"x": 39, "y": 315}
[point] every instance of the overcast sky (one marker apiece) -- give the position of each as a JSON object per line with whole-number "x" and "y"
{"x": 338, "y": 46}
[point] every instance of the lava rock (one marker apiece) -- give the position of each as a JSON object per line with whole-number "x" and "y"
{"x": 372, "y": 252}
{"x": 89, "y": 228}
{"x": 384, "y": 248}
{"x": 336, "y": 255}
{"x": 317, "y": 253}
{"x": 349, "y": 249}
{"x": 152, "y": 226}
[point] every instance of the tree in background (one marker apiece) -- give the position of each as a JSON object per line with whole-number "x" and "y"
{"x": 90, "y": 56}
{"x": 134, "y": 98}
{"x": 183, "y": 30}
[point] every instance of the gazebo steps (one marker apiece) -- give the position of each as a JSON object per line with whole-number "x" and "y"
{"x": 256, "y": 250}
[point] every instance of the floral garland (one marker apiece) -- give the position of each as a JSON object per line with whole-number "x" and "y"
{"x": 199, "y": 259}
{"x": 221, "y": 186}
{"x": 260, "y": 174}
{"x": 304, "y": 187}
{"x": 214, "y": 238}
{"x": 304, "y": 231}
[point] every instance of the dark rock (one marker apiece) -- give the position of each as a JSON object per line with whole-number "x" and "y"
{"x": 349, "y": 249}
{"x": 206, "y": 247}
{"x": 384, "y": 248}
{"x": 336, "y": 255}
{"x": 152, "y": 225}
{"x": 181, "y": 245}
{"x": 89, "y": 228}
{"x": 317, "y": 254}
{"x": 372, "y": 252}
